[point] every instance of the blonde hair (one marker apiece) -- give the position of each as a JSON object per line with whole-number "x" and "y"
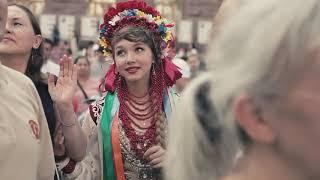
{"x": 225, "y": 11}
{"x": 261, "y": 51}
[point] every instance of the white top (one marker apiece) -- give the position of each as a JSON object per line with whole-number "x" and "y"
{"x": 184, "y": 67}
{"x": 50, "y": 67}
{"x": 25, "y": 145}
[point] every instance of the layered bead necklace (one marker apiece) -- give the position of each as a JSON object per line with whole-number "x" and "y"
{"x": 140, "y": 114}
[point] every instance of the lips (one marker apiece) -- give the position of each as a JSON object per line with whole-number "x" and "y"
{"x": 132, "y": 70}
{"x": 6, "y": 38}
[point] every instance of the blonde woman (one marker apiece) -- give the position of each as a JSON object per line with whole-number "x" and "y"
{"x": 261, "y": 98}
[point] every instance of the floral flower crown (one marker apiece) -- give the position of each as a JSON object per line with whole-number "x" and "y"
{"x": 135, "y": 13}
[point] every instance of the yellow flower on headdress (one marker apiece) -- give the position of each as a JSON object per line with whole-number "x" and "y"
{"x": 168, "y": 37}
{"x": 141, "y": 14}
{"x": 158, "y": 20}
{"x": 104, "y": 43}
{"x": 106, "y": 53}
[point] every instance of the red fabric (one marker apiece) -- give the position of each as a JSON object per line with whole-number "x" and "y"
{"x": 75, "y": 104}
{"x": 171, "y": 71}
{"x": 135, "y": 4}
{"x": 110, "y": 79}
{"x": 69, "y": 168}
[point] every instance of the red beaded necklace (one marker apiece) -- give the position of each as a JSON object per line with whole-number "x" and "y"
{"x": 136, "y": 110}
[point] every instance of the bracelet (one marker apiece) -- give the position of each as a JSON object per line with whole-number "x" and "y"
{"x": 69, "y": 168}
{"x": 68, "y": 125}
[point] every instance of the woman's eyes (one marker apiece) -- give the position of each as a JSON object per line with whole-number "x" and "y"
{"x": 139, "y": 49}
{"x": 123, "y": 52}
{"x": 17, "y": 24}
{"x": 120, "y": 53}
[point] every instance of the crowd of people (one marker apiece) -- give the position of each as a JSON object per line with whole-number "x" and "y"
{"x": 130, "y": 108}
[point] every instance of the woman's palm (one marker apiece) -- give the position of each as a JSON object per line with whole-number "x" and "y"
{"x": 64, "y": 89}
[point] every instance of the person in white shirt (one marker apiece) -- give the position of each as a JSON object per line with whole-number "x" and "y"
{"x": 25, "y": 146}
{"x": 48, "y": 65}
{"x": 186, "y": 74}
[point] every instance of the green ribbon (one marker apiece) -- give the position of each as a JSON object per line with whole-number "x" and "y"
{"x": 106, "y": 119}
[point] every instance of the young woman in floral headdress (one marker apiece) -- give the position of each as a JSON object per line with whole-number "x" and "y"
{"x": 127, "y": 128}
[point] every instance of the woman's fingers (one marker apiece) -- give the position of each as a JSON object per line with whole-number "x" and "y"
{"x": 156, "y": 155}
{"x": 51, "y": 81}
{"x": 69, "y": 70}
{"x": 65, "y": 66}
{"x": 70, "y": 67}
{"x": 159, "y": 165}
{"x": 61, "y": 68}
{"x": 156, "y": 161}
{"x": 150, "y": 151}
{"x": 75, "y": 73}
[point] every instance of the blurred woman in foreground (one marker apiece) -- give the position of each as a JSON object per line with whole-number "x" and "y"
{"x": 255, "y": 115}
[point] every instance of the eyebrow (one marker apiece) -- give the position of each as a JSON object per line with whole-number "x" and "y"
{"x": 139, "y": 44}
{"x": 136, "y": 44}
{"x": 15, "y": 19}
{"x": 119, "y": 47}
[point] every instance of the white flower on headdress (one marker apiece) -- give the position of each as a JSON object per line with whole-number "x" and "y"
{"x": 115, "y": 19}
{"x": 149, "y": 18}
{"x": 165, "y": 52}
{"x": 124, "y": 13}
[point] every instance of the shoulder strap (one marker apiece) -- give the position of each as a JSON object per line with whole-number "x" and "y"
{"x": 82, "y": 90}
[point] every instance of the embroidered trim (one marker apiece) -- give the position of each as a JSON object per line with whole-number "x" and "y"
{"x": 95, "y": 110}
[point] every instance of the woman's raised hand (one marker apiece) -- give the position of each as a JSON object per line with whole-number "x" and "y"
{"x": 63, "y": 90}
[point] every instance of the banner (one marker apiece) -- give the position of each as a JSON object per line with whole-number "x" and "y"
{"x": 89, "y": 28}
{"x": 66, "y": 26}
{"x": 185, "y": 31}
{"x": 70, "y": 7}
{"x": 47, "y": 23}
{"x": 204, "y": 30}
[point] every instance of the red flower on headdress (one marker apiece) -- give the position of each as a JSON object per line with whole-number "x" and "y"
{"x": 111, "y": 12}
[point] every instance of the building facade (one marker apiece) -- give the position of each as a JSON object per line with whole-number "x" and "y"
{"x": 81, "y": 18}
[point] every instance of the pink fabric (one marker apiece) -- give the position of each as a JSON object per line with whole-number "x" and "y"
{"x": 110, "y": 79}
{"x": 172, "y": 72}
{"x": 91, "y": 87}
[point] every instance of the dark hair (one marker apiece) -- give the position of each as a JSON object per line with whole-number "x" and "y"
{"x": 35, "y": 61}
{"x": 80, "y": 57}
{"x": 205, "y": 112}
{"x": 46, "y": 40}
{"x": 139, "y": 34}
{"x": 69, "y": 50}
{"x": 90, "y": 44}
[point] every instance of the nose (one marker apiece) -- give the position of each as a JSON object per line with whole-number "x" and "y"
{"x": 130, "y": 58}
{"x": 8, "y": 28}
